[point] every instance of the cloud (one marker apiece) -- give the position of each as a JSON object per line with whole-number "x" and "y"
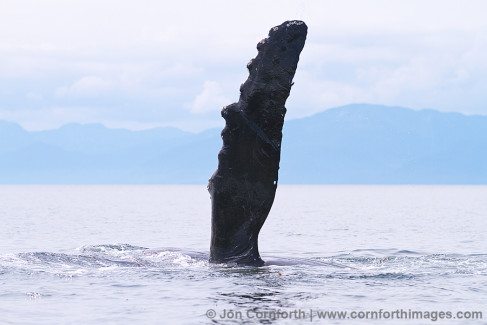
{"x": 89, "y": 86}
{"x": 138, "y": 68}
{"x": 212, "y": 98}
{"x": 33, "y": 96}
{"x": 48, "y": 118}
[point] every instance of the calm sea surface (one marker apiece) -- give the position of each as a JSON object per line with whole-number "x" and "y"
{"x": 138, "y": 255}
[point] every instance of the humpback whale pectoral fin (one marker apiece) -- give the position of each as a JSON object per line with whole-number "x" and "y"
{"x": 244, "y": 185}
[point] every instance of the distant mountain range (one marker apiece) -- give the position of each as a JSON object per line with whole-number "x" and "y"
{"x": 354, "y": 144}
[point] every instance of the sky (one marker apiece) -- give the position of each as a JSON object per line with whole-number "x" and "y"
{"x": 143, "y": 64}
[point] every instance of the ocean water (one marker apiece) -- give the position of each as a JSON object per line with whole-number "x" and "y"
{"x": 138, "y": 255}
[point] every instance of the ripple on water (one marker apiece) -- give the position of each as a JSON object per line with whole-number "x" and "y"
{"x": 357, "y": 264}
{"x": 314, "y": 282}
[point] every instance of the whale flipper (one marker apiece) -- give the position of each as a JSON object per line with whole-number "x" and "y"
{"x": 244, "y": 185}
